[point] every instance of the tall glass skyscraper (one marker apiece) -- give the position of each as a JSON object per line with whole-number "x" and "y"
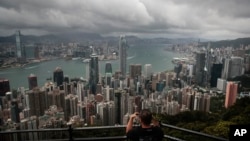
{"x": 93, "y": 73}
{"x": 200, "y": 65}
{"x": 108, "y": 74}
{"x": 58, "y": 76}
{"x": 18, "y": 44}
{"x": 123, "y": 55}
{"x": 20, "y": 50}
{"x": 108, "y": 68}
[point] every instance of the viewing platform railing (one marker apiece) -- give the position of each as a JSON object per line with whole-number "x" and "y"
{"x": 76, "y": 134}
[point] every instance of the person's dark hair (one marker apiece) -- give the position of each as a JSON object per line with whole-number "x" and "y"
{"x": 146, "y": 116}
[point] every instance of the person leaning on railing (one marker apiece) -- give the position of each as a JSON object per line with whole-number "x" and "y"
{"x": 148, "y": 130}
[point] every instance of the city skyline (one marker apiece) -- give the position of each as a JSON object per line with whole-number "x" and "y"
{"x": 109, "y": 99}
{"x": 101, "y": 81}
{"x": 171, "y": 19}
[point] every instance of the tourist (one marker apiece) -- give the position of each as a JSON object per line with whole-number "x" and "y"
{"x": 147, "y": 131}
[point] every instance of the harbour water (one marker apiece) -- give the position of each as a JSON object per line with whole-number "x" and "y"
{"x": 138, "y": 54}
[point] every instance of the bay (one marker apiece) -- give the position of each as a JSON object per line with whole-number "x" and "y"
{"x": 137, "y": 54}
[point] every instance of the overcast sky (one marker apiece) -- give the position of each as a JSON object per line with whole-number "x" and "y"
{"x": 210, "y": 19}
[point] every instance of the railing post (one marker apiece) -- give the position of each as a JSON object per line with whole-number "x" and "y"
{"x": 70, "y": 130}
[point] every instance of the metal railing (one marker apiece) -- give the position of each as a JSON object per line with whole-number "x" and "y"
{"x": 215, "y": 138}
{"x": 72, "y": 134}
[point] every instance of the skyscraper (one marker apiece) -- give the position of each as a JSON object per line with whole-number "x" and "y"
{"x": 221, "y": 84}
{"x": 233, "y": 67}
{"x": 247, "y": 63}
{"x": 102, "y": 110}
{"x": 231, "y": 94}
{"x": 207, "y": 67}
{"x": 58, "y": 76}
{"x": 20, "y": 50}
{"x": 123, "y": 55}
{"x": 93, "y": 73}
{"x": 18, "y": 44}
{"x": 79, "y": 91}
{"x": 135, "y": 70}
{"x": 108, "y": 79}
{"x": 36, "y": 101}
{"x": 118, "y": 103}
{"x": 14, "y": 111}
{"x": 108, "y": 74}
{"x": 216, "y": 71}
{"x": 70, "y": 108}
{"x": 148, "y": 70}
{"x": 4, "y": 86}
{"x": 106, "y": 112}
{"x": 32, "y": 81}
{"x": 90, "y": 110}
{"x": 190, "y": 101}
{"x": 108, "y": 68}
{"x": 199, "y": 71}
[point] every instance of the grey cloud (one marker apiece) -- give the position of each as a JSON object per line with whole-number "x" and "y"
{"x": 169, "y": 18}
{"x": 232, "y": 8}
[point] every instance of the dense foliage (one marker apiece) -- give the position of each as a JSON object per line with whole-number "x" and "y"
{"x": 214, "y": 123}
{"x": 244, "y": 82}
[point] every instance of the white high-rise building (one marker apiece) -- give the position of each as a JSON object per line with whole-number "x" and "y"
{"x": 197, "y": 101}
{"x": 106, "y": 110}
{"x": 79, "y": 91}
{"x": 190, "y": 68}
{"x": 107, "y": 93}
{"x": 108, "y": 79}
{"x": 102, "y": 111}
{"x": 81, "y": 109}
{"x": 221, "y": 84}
{"x": 111, "y": 111}
{"x": 148, "y": 70}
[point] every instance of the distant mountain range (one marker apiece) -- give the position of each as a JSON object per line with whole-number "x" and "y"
{"x": 226, "y": 43}
{"x": 85, "y": 37}
{"x": 89, "y": 37}
{"x": 65, "y": 38}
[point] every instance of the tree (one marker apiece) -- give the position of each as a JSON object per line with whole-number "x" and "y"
{"x": 221, "y": 129}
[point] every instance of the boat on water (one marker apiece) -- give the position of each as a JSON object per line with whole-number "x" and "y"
{"x": 76, "y": 58}
{"x": 86, "y": 60}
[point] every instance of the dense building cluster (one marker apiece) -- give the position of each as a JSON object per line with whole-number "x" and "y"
{"x": 109, "y": 99}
